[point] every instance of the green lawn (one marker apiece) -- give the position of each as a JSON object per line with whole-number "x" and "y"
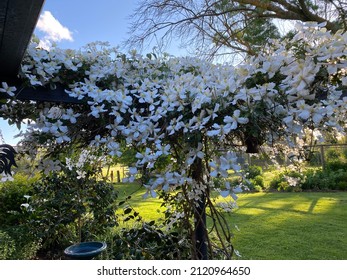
{"x": 291, "y": 226}
{"x": 148, "y": 208}
{"x": 276, "y": 226}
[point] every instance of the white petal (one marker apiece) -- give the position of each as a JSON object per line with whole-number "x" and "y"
{"x": 214, "y": 173}
{"x": 224, "y": 193}
{"x": 305, "y": 114}
{"x": 242, "y": 120}
{"x": 317, "y": 118}
{"x": 212, "y": 133}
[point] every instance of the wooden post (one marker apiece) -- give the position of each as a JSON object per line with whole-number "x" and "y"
{"x": 111, "y": 175}
{"x": 322, "y": 156}
{"x": 118, "y": 176}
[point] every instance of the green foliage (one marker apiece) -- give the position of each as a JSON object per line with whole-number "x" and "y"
{"x": 289, "y": 181}
{"x": 253, "y": 171}
{"x": 12, "y": 197}
{"x": 128, "y": 156}
{"x": 68, "y": 210}
{"x": 148, "y": 241}
{"x": 325, "y": 180}
{"x": 333, "y": 154}
{"x": 258, "y": 181}
{"x": 137, "y": 238}
{"x": 257, "y": 188}
{"x": 16, "y": 243}
{"x": 16, "y": 240}
{"x": 336, "y": 165}
{"x": 314, "y": 158}
{"x": 259, "y": 31}
{"x": 7, "y": 246}
{"x": 256, "y": 32}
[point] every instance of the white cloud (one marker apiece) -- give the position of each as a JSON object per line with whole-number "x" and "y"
{"x": 52, "y": 29}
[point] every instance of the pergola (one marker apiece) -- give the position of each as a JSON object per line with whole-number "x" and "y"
{"x": 18, "y": 19}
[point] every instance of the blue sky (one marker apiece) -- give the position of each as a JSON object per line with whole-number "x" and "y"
{"x": 74, "y": 23}
{"x": 90, "y": 20}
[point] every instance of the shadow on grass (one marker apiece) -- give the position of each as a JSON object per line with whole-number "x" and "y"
{"x": 291, "y": 226}
{"x": 275, "y": 226}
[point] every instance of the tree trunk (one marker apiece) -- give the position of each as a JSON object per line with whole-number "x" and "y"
{"x": 200, "y": 216}
{"x": 200, "y": 230}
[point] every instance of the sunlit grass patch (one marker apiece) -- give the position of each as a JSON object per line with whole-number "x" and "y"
{"x": 291, "y": 226}
{"x": 149, "y": 208}
{"x": 273, "y": 226}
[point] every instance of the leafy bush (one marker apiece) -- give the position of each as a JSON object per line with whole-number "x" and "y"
{"x": 257, "y": 188}
{"x": 342, "y": 186}
{"x": 287, "y": 181}
{"x": 68, "y": 210}
{"x": 253, "y": 171}
{"x": 325, "y": 180}
{"x": 258, "y": 181}
{"x": 344, "y": 152}
{"x": 333, "y": 154}
{"x": 7, "y": 246}
{"x": 12, "y": 197}
{"x": 336, "y": 165}
{"x": 148, "y": 240}
{"x": 16, "y": 243}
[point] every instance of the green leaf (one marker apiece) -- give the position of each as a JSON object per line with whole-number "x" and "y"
{"x": 127, "y": 210}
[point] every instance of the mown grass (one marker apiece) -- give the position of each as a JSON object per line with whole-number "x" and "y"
{"x": 148, "y": 208}
{"x": 289, "y": 226}
{"x": 275, "y": 226}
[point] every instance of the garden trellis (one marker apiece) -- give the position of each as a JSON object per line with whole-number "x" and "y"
{"x": 184, "y": 117}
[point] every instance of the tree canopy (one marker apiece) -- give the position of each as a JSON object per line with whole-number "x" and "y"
{"x": 214, "y": 28}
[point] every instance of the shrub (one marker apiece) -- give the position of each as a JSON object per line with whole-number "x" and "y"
{"x": 16, "y": 243}
{"x": 344, "y": 152}
{"x": 253, "y": 171}
{"x": 314, "y": 158}
{"x": 66, "y": 211}
{"x": 333, "y": 154}
{"x": 257, "y": 188}
{"x": 325, "y": 180}
{"x": 336, "y": 165}
{"x": 7, "y": 246}
{"x": 287, "y": 181}
{"x": 12, "y": 197}
{"x": 258, "y": 181}
{"x": 255, "y": 184}
{"x": 342, "y": 186}
{"x": 148, "y": 240}
{"x": 312, "y": 180}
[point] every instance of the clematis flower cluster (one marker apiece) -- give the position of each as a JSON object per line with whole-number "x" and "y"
{"x": 186, "y": 112}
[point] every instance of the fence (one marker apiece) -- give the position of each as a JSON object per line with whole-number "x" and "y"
{"x": 317, "y": 156}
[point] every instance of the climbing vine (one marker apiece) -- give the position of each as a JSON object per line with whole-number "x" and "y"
{"x": 185, "y": 118}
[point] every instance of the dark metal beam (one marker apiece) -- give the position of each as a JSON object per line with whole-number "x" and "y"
{"x": 46, "y": 94}
{"x": 18, "y": 19}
